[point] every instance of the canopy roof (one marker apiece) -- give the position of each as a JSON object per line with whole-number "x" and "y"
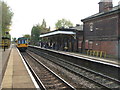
{"x": 22, "y": 38}
{"x": 58, "y": 32}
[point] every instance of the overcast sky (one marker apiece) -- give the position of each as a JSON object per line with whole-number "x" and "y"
{"x": 31, "y": 12}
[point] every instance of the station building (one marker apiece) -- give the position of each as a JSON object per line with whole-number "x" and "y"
{"x": 66, "y": 39}
{"x": 102, "y": 30}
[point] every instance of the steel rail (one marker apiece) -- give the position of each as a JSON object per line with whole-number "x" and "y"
{"x": 34, "y": 74}
{"x": 66, "y": 83}
{"x": 81, "y": 68}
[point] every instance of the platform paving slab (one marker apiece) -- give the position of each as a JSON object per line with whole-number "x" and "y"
{"x": 4, "y": 55}
{"x": 16, "y": 75}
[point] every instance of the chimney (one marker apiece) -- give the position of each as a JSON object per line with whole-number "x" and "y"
{"x": 105, "y": 5}
{"x": 119, "y": 4}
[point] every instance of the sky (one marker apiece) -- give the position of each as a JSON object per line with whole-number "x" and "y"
{"x": 31, "y": 12}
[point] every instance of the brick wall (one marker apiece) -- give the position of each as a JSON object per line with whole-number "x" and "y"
{"x": 102, "y": 27}
{"x": 110, "y": 47}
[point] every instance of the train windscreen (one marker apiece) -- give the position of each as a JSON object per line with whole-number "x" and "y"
{"x": 22, "y": 41}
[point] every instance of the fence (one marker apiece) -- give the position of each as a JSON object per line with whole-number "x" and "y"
{"x": 96, "y": 53}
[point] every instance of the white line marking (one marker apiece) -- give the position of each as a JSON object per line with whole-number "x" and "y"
{"x": 34, "y": 81}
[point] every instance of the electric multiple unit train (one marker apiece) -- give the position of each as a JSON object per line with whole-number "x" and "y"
{"x": 22, "y": 43}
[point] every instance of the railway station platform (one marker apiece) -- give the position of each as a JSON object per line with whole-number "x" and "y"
{"x": 104, "y": 60}
{"x": 4, "y": 55}
{"x": 17, "y": 74}
{"x": 113, "y": 62}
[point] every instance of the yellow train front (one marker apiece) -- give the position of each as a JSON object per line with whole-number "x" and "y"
{"x": 22, "y": 43}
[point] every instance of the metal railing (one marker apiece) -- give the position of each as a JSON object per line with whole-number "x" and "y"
{"x": 97, "y": 53}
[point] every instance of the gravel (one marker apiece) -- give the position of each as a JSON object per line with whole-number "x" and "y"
{"x": 76, "y": 81}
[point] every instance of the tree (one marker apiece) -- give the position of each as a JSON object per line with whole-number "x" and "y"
{"x": 43, "y": 23}
{"x": 6, "y": 17}
{"x": 43, "y": 28}
{"x": 26, "y": 36}
{"x": 37, "y": 30}
{"x": 35, "y": 33}
{"x": 63, "y": 23}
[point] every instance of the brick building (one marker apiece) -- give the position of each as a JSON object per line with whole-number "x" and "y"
{"x": 102, "y": 30}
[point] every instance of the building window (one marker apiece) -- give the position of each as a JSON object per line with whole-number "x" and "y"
{"x": 91, "y": 27}
{"x": 80, "y": 44}
{"x": 90, "y": 44}
{"x": 86, "y": 44}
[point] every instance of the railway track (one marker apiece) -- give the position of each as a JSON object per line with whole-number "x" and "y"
{"x": 95, "y": 77}
{"x": 45, "y": 77}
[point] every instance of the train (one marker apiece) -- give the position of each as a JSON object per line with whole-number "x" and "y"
{"x": 22, "y": 43}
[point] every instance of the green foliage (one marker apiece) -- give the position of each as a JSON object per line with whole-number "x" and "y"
{"x": 27, "y": 36}
{"x": 6, "y": 17}
{"x": 36, "y": 31}
{"x": 63, "y": 23}
{"x": 43, "y": 28}
{"x": 35, "y": 35}
{"x": 43, "y": 23}
{"x": 0, "y": 22}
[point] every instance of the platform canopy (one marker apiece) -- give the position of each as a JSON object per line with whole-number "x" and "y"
{"x": 58, "y": 32}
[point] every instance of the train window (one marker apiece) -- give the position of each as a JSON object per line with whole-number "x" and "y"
{"x": 25, "y": 41}
{"x": 19, "y": 42}
{"x": 22, "y": 41}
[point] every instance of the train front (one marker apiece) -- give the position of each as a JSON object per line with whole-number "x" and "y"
{"x": 22, "y": 43}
